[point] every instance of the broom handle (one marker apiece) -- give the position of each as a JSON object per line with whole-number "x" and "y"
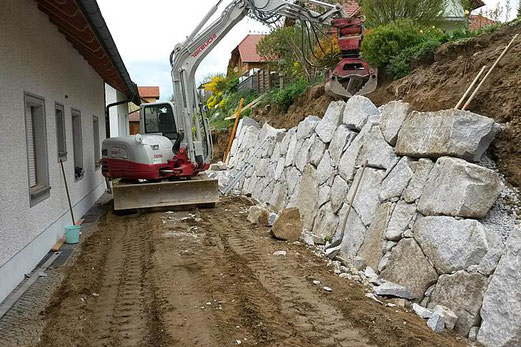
{"x": 67, "y": 190}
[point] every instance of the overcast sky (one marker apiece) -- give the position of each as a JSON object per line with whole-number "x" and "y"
{"x": 147, "y": 31}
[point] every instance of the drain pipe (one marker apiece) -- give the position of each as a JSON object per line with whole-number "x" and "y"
{"x": 107, "y": 115}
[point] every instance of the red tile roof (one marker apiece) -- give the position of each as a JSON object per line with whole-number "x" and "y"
{"x": 133, "y": 116}
{"x": 351, "y": 7}
{"x": 149, "y": 92}
{"x": 479, "y": 21}
{"x": 248, "y": 49}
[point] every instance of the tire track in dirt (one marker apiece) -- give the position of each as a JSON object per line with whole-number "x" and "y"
{"x": 121, "y": 317}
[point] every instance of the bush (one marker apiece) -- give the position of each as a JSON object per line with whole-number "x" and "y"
{"x": 284, "y": 98}
{"x": 384, "y": 43}
{"x": 382, "y": 12}
{"x": 400, "y": 65}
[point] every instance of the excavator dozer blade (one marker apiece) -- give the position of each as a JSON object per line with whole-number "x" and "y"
{"x": 199, "y": 190}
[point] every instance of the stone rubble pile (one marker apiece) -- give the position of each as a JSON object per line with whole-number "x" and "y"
{"x": 427, "y": 216}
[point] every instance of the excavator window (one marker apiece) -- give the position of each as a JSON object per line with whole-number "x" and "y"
{"x": 159, "y": 119}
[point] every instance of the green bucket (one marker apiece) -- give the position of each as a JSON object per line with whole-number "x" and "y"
{"x": 72, "y": 234}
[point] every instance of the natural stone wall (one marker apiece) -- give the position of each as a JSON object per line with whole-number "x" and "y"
{"x": 423, "y": 217}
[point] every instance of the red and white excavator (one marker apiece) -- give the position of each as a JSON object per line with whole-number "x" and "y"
{"x": 163, "y": 165}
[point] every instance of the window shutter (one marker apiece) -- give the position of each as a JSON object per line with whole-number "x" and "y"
{"x": 31, "y": 151}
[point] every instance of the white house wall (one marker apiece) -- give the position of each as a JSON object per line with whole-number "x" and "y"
{"x": 118, "y": 115}
{"x": 36, "y": 58}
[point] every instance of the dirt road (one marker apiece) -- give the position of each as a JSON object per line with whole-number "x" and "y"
{"x": 209, "y": 278}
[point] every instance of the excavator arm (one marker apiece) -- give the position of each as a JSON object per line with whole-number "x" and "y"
{"x": 186, "y": 57}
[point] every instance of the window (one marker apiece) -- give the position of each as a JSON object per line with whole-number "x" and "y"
{"x": 61, "y": 138}
{"x": 36, "y": 136}
{"x": 160, "y": 119}
{"x": 77, "y": 144}
{"x": 95, "y": 134}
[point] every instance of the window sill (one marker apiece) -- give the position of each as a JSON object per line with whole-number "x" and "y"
{"x": 39, "y": 193}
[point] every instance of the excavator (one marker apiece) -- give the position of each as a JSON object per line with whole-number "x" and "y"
{"x": 164, "y": 165}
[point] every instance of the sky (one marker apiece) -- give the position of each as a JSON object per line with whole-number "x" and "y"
{"x": 146, "y": 32}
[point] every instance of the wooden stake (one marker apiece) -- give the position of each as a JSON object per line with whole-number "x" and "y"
{"x": 489, "y": 72}
{"x": 470, "y": 87}
{"x": 232, "y": 135}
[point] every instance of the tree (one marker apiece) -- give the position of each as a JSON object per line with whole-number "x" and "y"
{"x": 381, "y": 12}
{"x": 519, "y": 11}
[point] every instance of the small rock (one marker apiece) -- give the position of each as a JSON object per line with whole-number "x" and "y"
{"x": 258, "y": 215}
{"x": 399, "y": 302}
{"x": 307, "y": 238}
{"x": 436, "y": 322}
{"x": 327, "y": 289}
{"x": 392, "y": 289}
{"x": 390, "y": 305}
{"x": 473, "y": 334}
{"x": 370, "y": 274}
{"x": 344, "y": 275}
{"x": 280, "y": 253}
{"x": 423, "y": 312}
{"x": 448, "y": 315}
{"x": 316, "y": 282}
{"x": 359, "y": 263}
{"x": 272, "y": 219}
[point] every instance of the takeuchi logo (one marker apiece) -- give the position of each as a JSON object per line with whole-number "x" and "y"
{"x": 204, "y": 45}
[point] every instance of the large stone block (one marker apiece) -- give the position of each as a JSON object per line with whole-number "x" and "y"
{"x": 462, "y": 292}
{"x": 307, "y": 127}
{"x": 324, "y": 169}
{"x": 397, "y": 180}
{"x": 288, "y": 226}
{"x": 327, "y": 126}
{"x": 451, "y": 132}
{"x": 371, "y": 250}
{"x": 284, "y": 144}
{"x": 421, "y": 174}
{"x": 392, "y": 118}
{"x": 409, "y": 268}
{"x": 458, "y": 188}
{"x": 338, "y": 193}
{"x": 402, "y": 217}
{"x": 376, "y": 150}
{"x": 292, "y": 150}
{"x": 317, "y": 149}
{"x": 453, "y": 244}
{"x": 357, "y": 111}
{"x": 501, "y": 311}
{"x": 354, "y": 232}
{"x": 325, "y": 225}
{"x": 278, "y": 197}
{"x": 303, "y": 155}
{"x": 367, "y": 199}
{"x": 341, "y": 140}
{"x": 307, "y": 200}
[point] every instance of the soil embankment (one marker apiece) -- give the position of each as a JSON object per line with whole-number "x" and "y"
{"x": 209, "y": 278}
{"x": 438, "y": 84}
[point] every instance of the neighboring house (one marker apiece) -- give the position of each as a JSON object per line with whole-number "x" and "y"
{"x": 479, "y": 21}
{"x": 245, "y": 57}
{"x": 118, "y": 114}
{"x": 147, "y": 95}
{"x": 56, "y": 57}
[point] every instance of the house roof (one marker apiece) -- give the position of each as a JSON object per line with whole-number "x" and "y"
{"x": 477, "y": 4}
{"x": 351, "y": 7}
{"x": 83, "y": 25}
{"x": 149, "y": 92}
{"x": 479, "y": 21}
{"x": 248, "y": 49}
{"x": 133, "y": 116}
